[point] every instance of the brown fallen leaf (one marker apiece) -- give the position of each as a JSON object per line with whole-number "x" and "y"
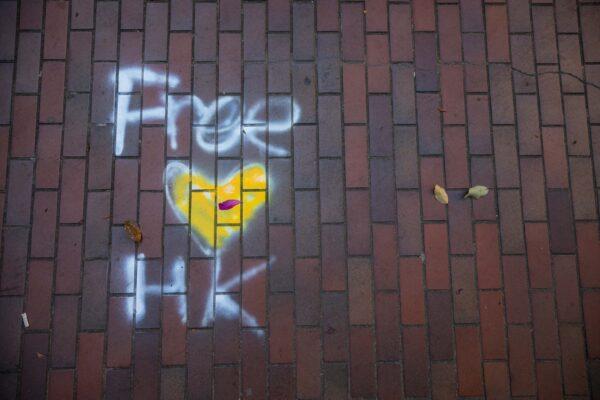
{"x": 133, "y": 231}
{"x": 440, "y": 194}
{"x": 39, "y": 355}
{"x": 477, "y": 192}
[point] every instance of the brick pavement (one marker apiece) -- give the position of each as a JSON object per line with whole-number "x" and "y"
{"x": 339, "y": 275}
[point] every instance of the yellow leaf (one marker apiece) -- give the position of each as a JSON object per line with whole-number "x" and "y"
{"x": 133, "y": 231}
{"x": 477, "y": 192}
{"x": 440, "y": 194}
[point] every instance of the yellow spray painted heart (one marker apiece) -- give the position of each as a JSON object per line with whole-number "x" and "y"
{"x": 250, "y": 184}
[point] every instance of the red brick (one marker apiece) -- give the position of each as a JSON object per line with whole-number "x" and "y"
{"x": 468, "y": 361}
{"x": 8, "y": 21}
{"x": 415, "y": 361}
{"x": 68, "y": 259}
{"x": 549, "y": 95}
{"x": 118, "y": 384}
{"x": 307, "y": 223}
{"x": 19, "y": 192}
{"x": 403, "y": 99}
{"x": 359, "y": 232}
{"x": 387, "y": 322}
{"x": 230, "y": 58}
{"x": 279, "y": 15}
{"x": 568, "y": 304}
{"x": 591, "y": 302}
{"x": 382, "y": 190}
{"x": 333, "y": 257}
{"x": 180, "y": 60}
{"x": 511, "y": 222}
{"x": 305, "y": 157}
{"x": 436, "y": 256}
{"x": 405, "y": 142}
{"x": 281, "y": 328}
{"x": 362, "y": 365}
{"x": 281, "y": 248}
{"x": 356, "y": 157}
{"x": 79, "y": 70}
{"x": 533, "y": 189}
{"x": 335, "y": 327}
{"x": 440, "y": 325}
{"x": 89, "y": 366}
{"x": 353, "y": 42}
{"x": 544, "y": 34}
{"x": 28, "y": 62}
{"x": 449, "y": 29}
{"x": 465, "y": 291}
{"x": 424, "y": 15}
{"x": 570, "y": 62}
{"x": 303, "y": 86}
{"x": 39, "y": 292}
{"x": 64, "y": 331}
{"x": 428, "y": 106}
{"x": 328, "y": 60}
{"x": 549, "y": 380}
{"x": 199, "y": 365}
{"x": 476, "y": 77}
{"x": 480, "y": 140}
{"x": 491, "y": 307}
{"x": 409, "y": 223}
{"x": 14, "y": 263}
{"x": 105, "y": 38}
{"x": 205, "y": 43}
{"x": 455, "y": 151}
{"x": 360, "y": 293}
{"x": 380, "y": 126}
{"x": 282, "y": 379}
{"x": 307, "y": 291}
{"x": 472, "y": 16}
{"x": 432, "y": 173}
{"x": 227, "y": 332}
{"x": 44, "y": 224}
{"x": 488, "y": 253}
{"x": 556, "y": 160}
{"x": 562, "y": 231}
{"x": 23, "y": 131}
{"x": 308, "y": 376}
{"x": 48, "y": 157}
{"x": 156, "y": 31}
{"x": 521, "y": 361}
{"x": 401, "y": 48}
{"x": 592, "y": 72}
{"x": 60, "y": 384}
{"x": 545, "y": 327}
{"x": 119, "y": 331}
{"x": 496, "y": 380}
{"x": 200, "y": 308}
{"x": 516, "y": 289}
{"x": 538, "y": 255}
{"x": 72, "y": 190}
{"x": 497, "y": 33}
{"x": 10, "y": 332}
{"x": 573, "y": 360}
{"x": 501, "y": 94}
{"x": 576, "y": 126}
{"x": 93, "y": 299}
{"x": 327, "y": 15}
{"x": 125, "y": 190}
{"x": 519, "y": 17}
{"x": 279, "y": 62}
{"x": 254, "y": 360}
{"x": 453, "y": 104}
{"x": 97, "y": 224}
{"x": 523, "y": 63}
{"x": 76, "y": 125}
{"x": 33, "y": 375}
{"x": 335, "y": 381}
{"x": 588, "y": 247}
{"x": 254, "y": 32}
{"x": 389, "y": 381}
{"x": 55, "y": 29}
{"x": 103, "y": 93}
{"x": 412, "y": 300}
{"x": 378, "y": 68}
{"x": 146, "y": 374}
{"x": 582, "y": 183}
{"x": 426, "y": 78}
{"x": 355, "y": 106}
{"x": 82, "y": 12}
{"x": 566, "y": 16}
{"x": 174, "y": 329}
{"x": 6, "y": 81}
{"x": 385, "y": 257}
{"x": 303, "y": 31}
{"x": 507, "y": 173}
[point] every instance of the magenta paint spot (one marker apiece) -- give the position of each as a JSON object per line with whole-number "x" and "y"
{"x": 228, "y": 204}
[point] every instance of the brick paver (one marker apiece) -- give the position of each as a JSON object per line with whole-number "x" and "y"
{"x": 339, "y": 275}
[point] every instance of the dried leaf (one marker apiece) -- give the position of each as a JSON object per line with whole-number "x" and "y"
{"x": 477, "y": 192}
{"x": 228, "y": 204}
{"x": 133, "y": 231}
{"x": 440, "y": 194}
{"x": 39, "y": 355}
